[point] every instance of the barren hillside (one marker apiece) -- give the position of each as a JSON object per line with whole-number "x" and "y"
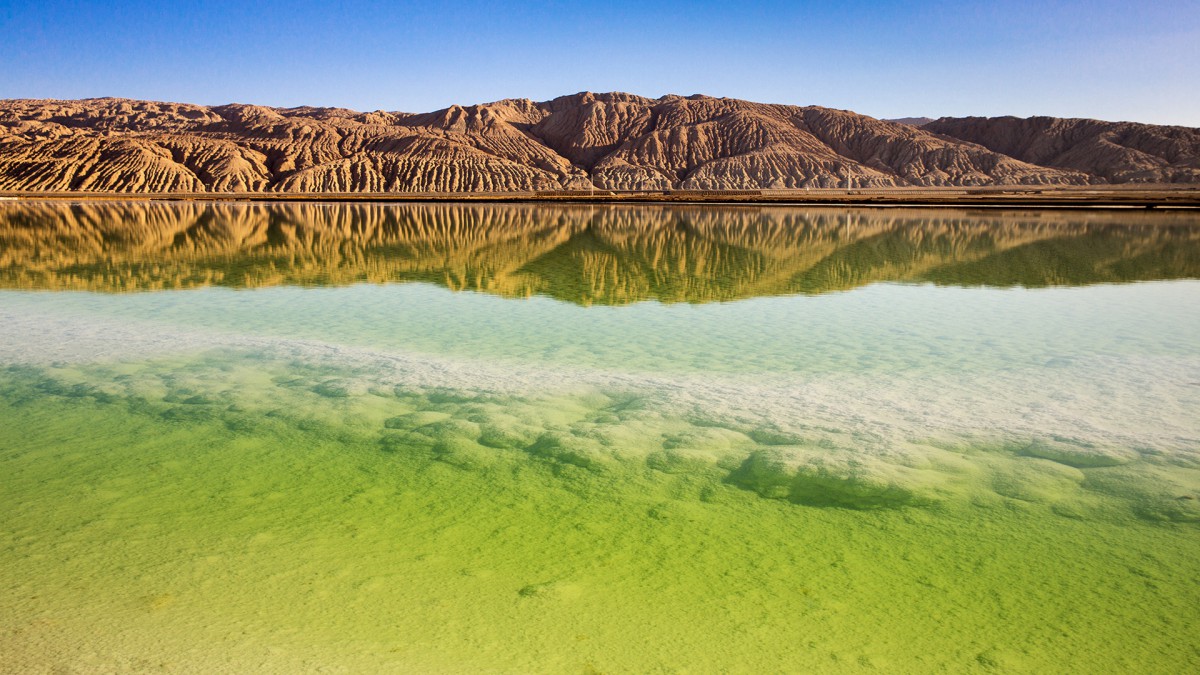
{"x": 1111, "y": 152}
{"x": 609, "y": 141}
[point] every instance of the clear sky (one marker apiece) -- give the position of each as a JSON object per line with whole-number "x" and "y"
{"x": 1110, "y": 60}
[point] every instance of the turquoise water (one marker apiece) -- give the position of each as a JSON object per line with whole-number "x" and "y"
{"x": 514, "y": 439}
{"x": 884, "y": 327}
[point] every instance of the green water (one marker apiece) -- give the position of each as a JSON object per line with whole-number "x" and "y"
{"x": 528, "y": 439}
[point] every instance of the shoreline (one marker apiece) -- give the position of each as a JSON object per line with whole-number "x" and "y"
{"x": 1109, "y": 197}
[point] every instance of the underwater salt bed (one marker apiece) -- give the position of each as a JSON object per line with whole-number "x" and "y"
{"x": 403, "y": 478}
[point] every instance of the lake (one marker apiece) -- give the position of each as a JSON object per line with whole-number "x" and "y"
{"x": 657, "y": 439}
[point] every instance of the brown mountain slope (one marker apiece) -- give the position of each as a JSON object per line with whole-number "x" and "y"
{"x": 610, "y": 141}
{"x": 1113, "y": 152}
{"x": 912, "y": 121}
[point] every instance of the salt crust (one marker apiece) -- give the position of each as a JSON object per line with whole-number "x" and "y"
{"x": 848, "y": 440}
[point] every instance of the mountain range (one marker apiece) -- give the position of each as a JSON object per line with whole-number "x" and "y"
{"x": 584, "y": 141}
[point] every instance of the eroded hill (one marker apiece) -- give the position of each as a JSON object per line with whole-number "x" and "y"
{"x": 607, "y": 141}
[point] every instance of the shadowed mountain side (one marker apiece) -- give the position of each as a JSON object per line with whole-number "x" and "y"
{"x": 609, "y": 141}
{"x": 912, "y": 121}
{"x": 615, "y": 255}
{"x": 1112, "y": 152}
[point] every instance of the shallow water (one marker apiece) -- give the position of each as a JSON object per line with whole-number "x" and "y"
{"x": 473, "y": 438}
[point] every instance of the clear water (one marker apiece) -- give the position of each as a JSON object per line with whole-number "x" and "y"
{"x": 367, "y": 438}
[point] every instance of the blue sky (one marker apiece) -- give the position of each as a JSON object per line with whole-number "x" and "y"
{"x": 1110, "y": 60}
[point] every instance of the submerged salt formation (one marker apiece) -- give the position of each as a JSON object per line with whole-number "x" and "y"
{"x": 914, "y": 428}
{"x": 405, "y": 477}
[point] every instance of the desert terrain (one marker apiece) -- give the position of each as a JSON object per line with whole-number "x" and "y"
{"x": 587, "y": 146}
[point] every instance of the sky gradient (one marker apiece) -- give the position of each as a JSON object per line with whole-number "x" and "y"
{"x": 1102, "y": 59}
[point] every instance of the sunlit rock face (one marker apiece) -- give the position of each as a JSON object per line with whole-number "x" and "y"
{"x": 607, "y": 141}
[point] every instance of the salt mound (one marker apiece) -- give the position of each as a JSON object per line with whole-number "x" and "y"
{"x": 1079, "y": 454}
{"x": 568, "y": 448}
{"x": 464, "y": 453}
{"x": 341, "y": 388}
{"x": 820, "y": 478}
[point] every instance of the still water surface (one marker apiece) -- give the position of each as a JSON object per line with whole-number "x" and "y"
{"x": 464, "y": 438}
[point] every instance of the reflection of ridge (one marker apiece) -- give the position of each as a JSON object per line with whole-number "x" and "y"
{"x": 585, "y": 255}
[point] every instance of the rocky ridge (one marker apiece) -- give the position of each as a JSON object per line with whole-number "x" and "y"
{"x": 1111, "y": 152}
{"x": 606, "y": 141}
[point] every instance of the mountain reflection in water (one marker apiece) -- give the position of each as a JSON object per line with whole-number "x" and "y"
{"x": 580, "y": 254}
